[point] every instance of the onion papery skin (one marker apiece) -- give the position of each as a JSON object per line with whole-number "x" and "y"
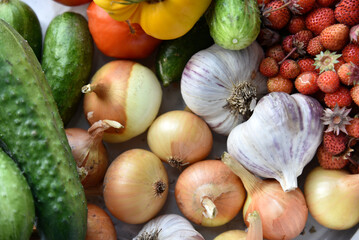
{"x": 128, "y": 93}
{"x": 232, "y": 235}
{"x": 130, "y": 186}
{"x": 212, "y": 179}
{"x": 283, "y": 214}
{"x": 95, "y": 163}
{"x": 210, "y": 77}
{"x": 180, "y": 135}
{"x": 333, "y": 197}
{"x": 99, "y": 224}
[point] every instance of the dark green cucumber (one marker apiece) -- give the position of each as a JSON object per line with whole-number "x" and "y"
{"x": 16, "y": 202}
{"x": 32, "y": 133}
{"x": 67, "y": 60}
{"x": 21, "y": 17}
{"x": 173, "y": 55}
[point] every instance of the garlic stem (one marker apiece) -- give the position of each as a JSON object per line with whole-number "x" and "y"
{"x": 210, "y": 208}
{"x": 255, "y": 230}
{"x": 250, "y": 181}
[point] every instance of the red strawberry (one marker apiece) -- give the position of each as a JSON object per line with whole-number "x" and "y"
{"x": 314, "y": 46}
{"x": 319, "y": 19}
{"x": 335, "y": 144}
{"x": 351, "y": 53}
{"x": 347, "y": 12}
{"x": 326, "y": 3}
{"x": 341, "y": 97}
{"x": 344, "y": 73}
{"x": 353, "y": 127}
{"x": 329, "y": 161}
{"x": 354, "y": 33}
{"x": 328, "y": 81}
{"x": 306, "y": 65}
{"x": 300, "y": 7}
{"x": 279, "y": 84}
{"x": 275, "y": 15}
{"x": 289, "y": 69}
{"x": 306, "y": 83}
{"x": 288, "y": 47}
{"x": 296, "y": 24}
{"x": 301, "y": 40}
{"x": 334, "y": 37}
{"x": 354, "y": 93}
{"x": 269, "y": 67}
{"x": 276, "y": 52}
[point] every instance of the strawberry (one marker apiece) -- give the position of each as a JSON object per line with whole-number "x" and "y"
{"x": 275, "y": 15}
{"x": 306, "y": 83}
{"x": 326, "y": 3}
{"x": 288, "y": 47}
{"x": 289, "y": 69}
{"x": 279, "y": 84}
{"x": 276, "y": 52}
{"x": 314, "y": 46}
{"x": 328, "y": 81}
{"x": 306, "y": 65}
{"x": 319, "y": 19}
{"x": 335, "y": 144}
{"x": 269, "y": 67}
{"x": 329, "y": 161}
{"x": 353, "y": 127}
{"x": 300, "y": 7}
{"x": 351, "y": 53}
{"x": 347, "y": 12}
{"x": 301, "y": 40}
{"x": 354, "y": 93}
{"x": 296, "y": 24}
{"x": 353, "y": 35}
{"x": 344, "y": 73}
{"x": 334, "y": 37}
{"x": 341, "y": 97}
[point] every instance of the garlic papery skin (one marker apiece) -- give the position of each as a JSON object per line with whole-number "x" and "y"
{"x": 332, "y": 197}
{"x": 280, "y": 138}
{"x": 222, "y": 86}
{"x": 168, "y": 226}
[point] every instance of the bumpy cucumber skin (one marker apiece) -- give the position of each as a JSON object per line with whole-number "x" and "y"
{"x": 24, "y": 20}
{"x": 173, "y": 55}
{"x": 67, "y": 60}
{"x": 32, "y": 133}
{"x": 16, "y": 202}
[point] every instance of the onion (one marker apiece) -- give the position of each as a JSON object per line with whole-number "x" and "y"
{"x": 180, "y": 138}
{"x": 209, "y": 194}
{"x": 126, "y": 92}
{"x": 283, "y": 214}
{"x": 89, "y": 152}
{"x": 135, "y": 186}
{"x": 99, "y": 224}
{"x": 332, "y": 197}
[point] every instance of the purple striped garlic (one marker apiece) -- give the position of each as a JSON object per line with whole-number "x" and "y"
{"x": 280, "y": 138}
{"x": 222, "y": 86}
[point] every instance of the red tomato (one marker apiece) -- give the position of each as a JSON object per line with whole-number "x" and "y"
{"x": 73, "y": 2}
{"x": 119, "y": 39}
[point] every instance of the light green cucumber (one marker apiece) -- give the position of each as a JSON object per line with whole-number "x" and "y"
{"x": 32, "y": 133}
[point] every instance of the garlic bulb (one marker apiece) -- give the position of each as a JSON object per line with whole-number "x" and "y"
{"x": 169, "y": 226}
{"x": 280, "y": 138}
{"x": 222, "y": 86}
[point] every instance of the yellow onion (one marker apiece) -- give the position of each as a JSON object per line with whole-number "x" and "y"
{"x": 89, "y": 152}
{"x": 209, "y": 194}
{"x": 283, "y": 214}
{"x": 135, "y": 186}
{"x": 332, "y": 197}
{"x": 180, "y": 138}
{"x": 126, "y": 92}
{"x": 99, "y": 224}
{"x": 255, "y": 231}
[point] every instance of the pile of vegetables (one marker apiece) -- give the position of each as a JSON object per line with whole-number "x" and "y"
{"x": 153, "y": 120}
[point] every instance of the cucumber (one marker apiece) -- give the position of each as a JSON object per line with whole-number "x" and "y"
{"x": 32, "y": 134}
{"x": 21, "y": 17}
{"x": 16, "y": 202}
{"x": 67, "y": 60}
{"x": 173, "y": 55}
